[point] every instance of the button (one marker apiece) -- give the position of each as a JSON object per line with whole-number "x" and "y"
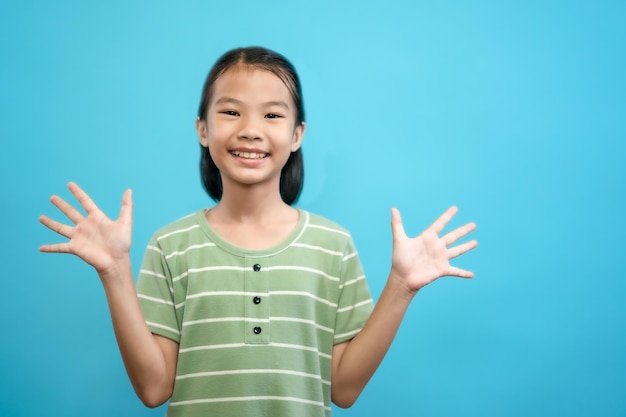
{"x": 256, "y": 267}
{"x": 256, "y": 300}
{"x": 257, "y": 330}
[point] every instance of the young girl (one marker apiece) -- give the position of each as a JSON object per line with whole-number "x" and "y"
{"x": 251, "y": 307}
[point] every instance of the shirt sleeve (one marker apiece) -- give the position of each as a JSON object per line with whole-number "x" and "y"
{"x": 155, "y": 291}
{"x": 355, "y": 301}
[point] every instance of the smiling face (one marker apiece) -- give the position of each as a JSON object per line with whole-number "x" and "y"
{"x": 250, "y": 127}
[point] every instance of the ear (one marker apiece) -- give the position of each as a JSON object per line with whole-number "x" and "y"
{"x": 298, "y": 135}
{"x": 203, "y": 132}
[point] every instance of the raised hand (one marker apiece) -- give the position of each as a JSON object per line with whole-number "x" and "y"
{"x": 93, "y": 237}
{"x": 421, "y": 260}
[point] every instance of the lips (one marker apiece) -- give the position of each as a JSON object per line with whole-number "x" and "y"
{"x": 249, "y": 155}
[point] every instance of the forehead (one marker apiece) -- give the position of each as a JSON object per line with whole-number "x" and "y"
{"x": 250, "y": 82}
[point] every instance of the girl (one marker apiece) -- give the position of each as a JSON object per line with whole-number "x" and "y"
{"x": 252, "y": 307}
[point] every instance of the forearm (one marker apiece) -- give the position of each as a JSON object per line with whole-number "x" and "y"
{"x": 150, "y": 372}
{"x": 363, "y": 354}
{"x": 415, "y": 263}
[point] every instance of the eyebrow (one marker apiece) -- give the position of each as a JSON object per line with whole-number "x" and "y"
{"x": 229, "y": 100}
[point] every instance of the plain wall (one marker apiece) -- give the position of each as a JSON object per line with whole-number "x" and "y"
{"x": 514, "y": 111}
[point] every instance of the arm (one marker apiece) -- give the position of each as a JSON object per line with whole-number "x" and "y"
{"x": 415, "y": 263}
{"x": 150, "y": 360}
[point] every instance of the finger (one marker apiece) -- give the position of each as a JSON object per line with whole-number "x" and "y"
{"x": 85, "y": 201}
{"x": 58, "y": 227}
{"x": 456, "y": 234}
{"x": 458, "y": 272}
{"x": 56, "y": 248}
{"x": 397, "y": 229}
{"x": 70, "y": 212}
{"x": 461, "y": 249}
{"x": 439, "y": 224}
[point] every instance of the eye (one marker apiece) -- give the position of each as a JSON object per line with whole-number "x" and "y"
{"x": 273, "y": 116}
{"x": 230, "y": 113}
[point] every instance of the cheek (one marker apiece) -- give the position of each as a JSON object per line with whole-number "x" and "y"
{"x": 216, "y": 131}
{"x": 217, "y": 156}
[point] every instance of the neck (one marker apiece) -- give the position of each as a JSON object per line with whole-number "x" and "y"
{"x": 252, "y": 204}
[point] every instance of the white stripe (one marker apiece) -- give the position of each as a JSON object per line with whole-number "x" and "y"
{"x": 275, "y": 293}
{"x": 178, "y": 253}
{"x": 251, "y": 398}
{"x": 352, "y": 255}
{"x": 348, "y": 334}
{"x": 156, "y": 300}
{"x": 255, "y": 320}
{"x": 215, "y": 293}
{"x": 296, "y": 320}
{"x": 161, "y": 326}
{"x": 211, "y": 347}
{"x": 304, "y": 294}
{"x": 252, "y": 371}
{"x": 319, "y": 248}
{"x": 241, "y": 268}
{"x": 195, "y": 226}
{"x": 352, "y": 281}
{"x": 154, "y": 248}
{"x": 357, "y": 305}
{"x": 300, "y": 347}
{"x": 302, "y": 268}
{"x": 208, "y": 268}
{"x": 240, "y": 345}
{"x": 225, "y": 319}
{"x": 154, "y": 274}
{"x": 317, "y": 226}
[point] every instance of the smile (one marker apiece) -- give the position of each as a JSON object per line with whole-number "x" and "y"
{"x": 249, "y": 155}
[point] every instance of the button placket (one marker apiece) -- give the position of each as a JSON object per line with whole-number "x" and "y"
{"x": 256, "y": 311}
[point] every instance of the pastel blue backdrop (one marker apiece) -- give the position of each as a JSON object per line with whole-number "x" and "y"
{"x": 514, "y": 111}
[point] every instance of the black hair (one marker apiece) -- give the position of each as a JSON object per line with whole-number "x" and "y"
{"x": 292, "y": 174}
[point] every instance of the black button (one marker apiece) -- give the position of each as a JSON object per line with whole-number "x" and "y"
{"x": 256, "y": 300}
{"x": 256, "y": 267}
{"x": 256, "y": 330}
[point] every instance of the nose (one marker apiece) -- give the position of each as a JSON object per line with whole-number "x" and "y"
{"x": 249, "y": 129}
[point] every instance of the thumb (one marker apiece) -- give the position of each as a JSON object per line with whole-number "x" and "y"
{"x": 126, "y": 212}
{"x": 397, "y": 229}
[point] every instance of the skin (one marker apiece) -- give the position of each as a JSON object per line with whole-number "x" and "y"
{"x": 251, "y": 111}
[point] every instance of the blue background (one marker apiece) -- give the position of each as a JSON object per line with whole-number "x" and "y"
{"x": 514, "y": 111}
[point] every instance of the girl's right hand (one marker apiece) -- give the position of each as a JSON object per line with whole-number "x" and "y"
{"x": 94, "y": 238}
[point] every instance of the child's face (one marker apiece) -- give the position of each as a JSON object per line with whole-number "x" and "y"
{"x": 250, "y": 127}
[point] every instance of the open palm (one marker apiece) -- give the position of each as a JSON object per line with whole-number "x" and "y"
{"x": 93, "y": 237}
{"x": 423, "y": 259}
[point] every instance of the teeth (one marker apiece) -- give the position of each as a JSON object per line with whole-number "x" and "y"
{"x": 249, "y": 155}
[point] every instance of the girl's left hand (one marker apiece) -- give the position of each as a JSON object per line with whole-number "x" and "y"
{"x": 422, "y": 260}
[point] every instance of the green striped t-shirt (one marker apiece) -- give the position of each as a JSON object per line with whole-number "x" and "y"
{"x": 255, "y": 328}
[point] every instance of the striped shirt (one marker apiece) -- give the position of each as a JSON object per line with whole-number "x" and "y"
{"x": 255, "y": 328}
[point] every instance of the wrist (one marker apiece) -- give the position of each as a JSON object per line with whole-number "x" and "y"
{"x": 398, "y": 285}
{"x": 118, "y": 270}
